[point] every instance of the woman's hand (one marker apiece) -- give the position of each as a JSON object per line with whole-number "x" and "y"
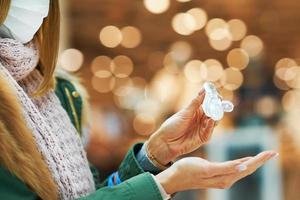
{"x": 182, "y": 133}
{"x": 196, "y": 173}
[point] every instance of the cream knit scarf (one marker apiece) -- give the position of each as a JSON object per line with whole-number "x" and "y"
{"x": 55, "y": 136}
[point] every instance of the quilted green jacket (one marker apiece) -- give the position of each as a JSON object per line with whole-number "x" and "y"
{"x": 136, "y": 184}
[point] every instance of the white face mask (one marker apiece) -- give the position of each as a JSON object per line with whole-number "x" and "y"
{"x": 24, "y": 19}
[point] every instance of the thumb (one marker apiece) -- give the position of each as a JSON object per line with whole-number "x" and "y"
{"x": 196, "y": 102}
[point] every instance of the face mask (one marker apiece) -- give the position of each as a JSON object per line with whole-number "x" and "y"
{"x": 24, "y": 19}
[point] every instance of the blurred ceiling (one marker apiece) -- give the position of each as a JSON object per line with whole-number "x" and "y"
{"x": 276, "y": 22}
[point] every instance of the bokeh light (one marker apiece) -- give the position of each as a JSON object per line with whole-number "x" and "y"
{"x": 157, "y": 6}
{"x": 218, "y": 33}
{"x": 292, "y": 77}
{"x": 232, "y": 79}
{"x": 195, "y": 71}
{"x": 165, "y": 87}
{"x": 283, "y": 66}
{"x": 181, "y": 51}
{"x": 110, "y": 36}
{"x": 122, "y": 66}
{"x": 216, "y": 28}
{"x": 214, "y": 70}
{"x": 220, "y": 45}
{"x": 200, "y": 17}
{"x": 170, "y": 64}
{"x": 144, "y": 124}
{"x": 131, "y": 37}
{"x": 184, "y": 23}
{"x": 266, "y": 106}
{"x": 226, "y": 94}
{"x": 238, "y": 59}
{"x": 103, "y": 84}
{"x": 71, "y": 60}
{"x": 290, "y": 101}
{"x": 183, "y": 1}
{"x": 101, "y": 63}
{"x": 237, "y": 28}
{"x": 280, "y": 84}
{"x": 253, "y": 45}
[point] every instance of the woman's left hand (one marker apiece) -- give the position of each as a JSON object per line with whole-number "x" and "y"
{"x": 182, "y": 133}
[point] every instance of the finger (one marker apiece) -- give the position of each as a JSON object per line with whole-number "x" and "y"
{"x": 227, "y": 180}
{"x": 245, "y": 159}
{"x": 259, "y": 160}
{"x": 254, "y": 163}
{"x": 224, "y": 168}
{"x": 207, "y": 132}
{"x": 197, "y": 101}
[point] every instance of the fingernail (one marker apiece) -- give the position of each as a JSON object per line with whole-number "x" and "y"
{"x": 274, "y": 155}
{"x": 241, "y": 167}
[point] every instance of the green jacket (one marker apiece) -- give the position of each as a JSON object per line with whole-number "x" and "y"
{"x": 136, "y": 184}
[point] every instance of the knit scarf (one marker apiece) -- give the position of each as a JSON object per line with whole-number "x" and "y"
{"x": 55, "y": 136}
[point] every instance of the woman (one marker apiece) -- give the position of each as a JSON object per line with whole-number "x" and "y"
{"x": 41, "y": 153}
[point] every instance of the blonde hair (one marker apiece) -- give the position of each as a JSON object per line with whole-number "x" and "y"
{"x": 4, "y": 7}
{"x": 47, "y": 38}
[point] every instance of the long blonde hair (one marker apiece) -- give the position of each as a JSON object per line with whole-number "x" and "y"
{"x": 47, "y": 38}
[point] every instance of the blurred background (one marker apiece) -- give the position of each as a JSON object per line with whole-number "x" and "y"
{"x": 143, "y": 60}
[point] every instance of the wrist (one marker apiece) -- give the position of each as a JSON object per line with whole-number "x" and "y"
{"x": 167, "y": 179}
{"x": 159, "y": 150}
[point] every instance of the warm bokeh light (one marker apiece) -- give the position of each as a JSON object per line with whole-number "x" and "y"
{"x": 253, "y": 45}
{"x": 170, "y": 64}
{"x": 110, "y": 36}
{"x": 218, "y": 33}
{"x": 292, "y": 77}
{"x": 148, "y": 106}
{"x": 120, "y": 82}
{"x": 226, "y": 94}
{"x": 183, "y": 0}
{"x": 131, "y": 37}
{"x": 266, "y": 106}
{"x": 184, "y": 23}
{"x": 101, "y": 63}
{"x": 181, "y": 51}
{"x": 290, "y": 101}
{"x": 195, "y": 71}
{"x": 103, "y": 74}
{"x": 129, "y": 95}
{"x": 280, "y": 84}
{"x": 144, "y": 124}
{"x": 103, "y": 84}
{"x": 214, "y": 70}
{"x": 220, "y": 45}
{"x": 283, "y": 68}
{"x": 216, "y": 28}
{"x": 232, "y": 79}
{"x": 71, "y": 60}
{"x": 238, "y": 59}
{"x": 237, "y": 28}
{"x": 165, "y": 87}
{"x": 122, "y": 66}
{"x": 157, "y": 6}
{"x": 200, "y": 17}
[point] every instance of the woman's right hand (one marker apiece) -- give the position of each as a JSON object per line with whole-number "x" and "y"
{"x": 196, "y": 173}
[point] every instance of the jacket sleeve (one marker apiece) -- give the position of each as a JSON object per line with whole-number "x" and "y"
{"x": 139, "y": 187}
{"x": 129, "y": 167}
